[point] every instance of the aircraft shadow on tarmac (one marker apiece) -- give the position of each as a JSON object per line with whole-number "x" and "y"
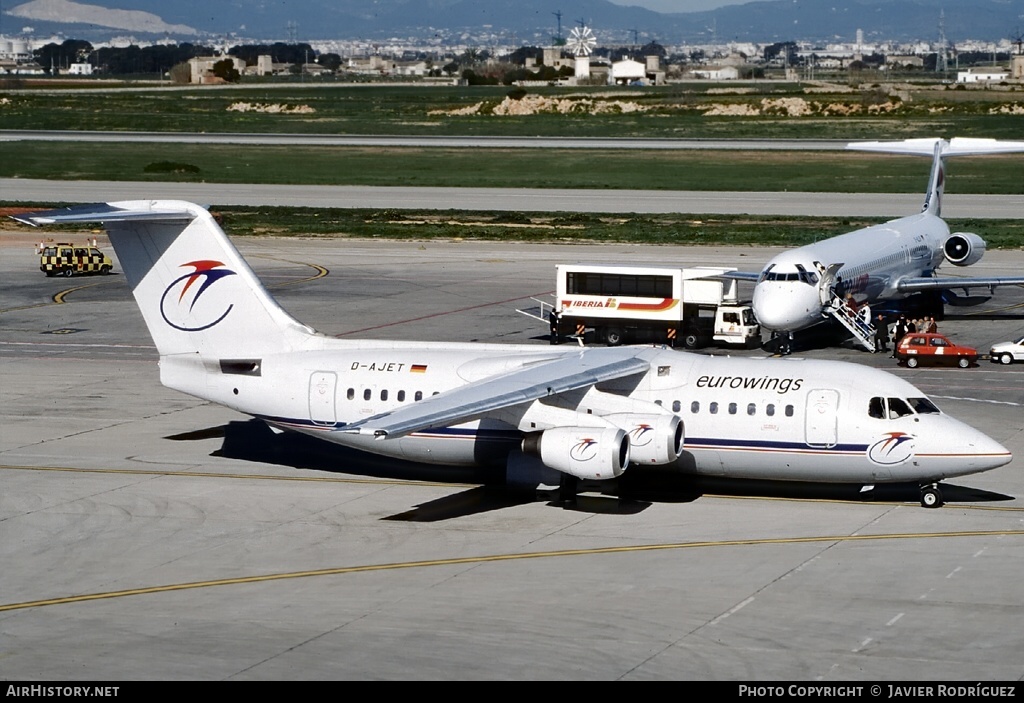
{"x": 633, "y": 492}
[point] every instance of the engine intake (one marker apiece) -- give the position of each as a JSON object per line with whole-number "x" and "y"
{"x": 963, "y": 248}
{"x": 653, "y": 439}
{"x": 584, "y": 452}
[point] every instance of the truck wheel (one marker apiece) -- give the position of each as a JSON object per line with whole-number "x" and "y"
{"x": 613, "y": 336}
{"x": 69, "y": 272}
{"x": 691, "y": 341}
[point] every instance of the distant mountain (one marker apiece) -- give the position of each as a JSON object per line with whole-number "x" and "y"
{"x": 520, "y": 22}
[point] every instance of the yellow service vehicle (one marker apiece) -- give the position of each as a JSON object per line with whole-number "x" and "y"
{"x": 66, "y": 259}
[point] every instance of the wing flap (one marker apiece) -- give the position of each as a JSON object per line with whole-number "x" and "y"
{"x": 475, "y": 399}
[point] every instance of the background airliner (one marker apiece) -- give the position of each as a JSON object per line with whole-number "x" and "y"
{"x": 893, "y": 263}
{"x": 549, "y": 417}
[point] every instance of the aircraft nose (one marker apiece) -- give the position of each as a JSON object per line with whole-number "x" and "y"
{"x": 785, "y": 307}
{"x": 973, "y": 450}
{"x": 986, "y": 453}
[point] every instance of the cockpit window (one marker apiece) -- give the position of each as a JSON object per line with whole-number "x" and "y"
{"x": 923, "y": 406}
{"x": 898, "y": 408}
{"x": 801, "y": 274}
{"x": 893, "y": 408}
{"x": 808, "y": 277}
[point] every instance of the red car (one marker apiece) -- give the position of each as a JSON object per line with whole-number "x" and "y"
{"x": 930, "y": 348}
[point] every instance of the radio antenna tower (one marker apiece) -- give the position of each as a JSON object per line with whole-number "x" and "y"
{"x": 558, "y": 39}
{"x": 942, "y": 56}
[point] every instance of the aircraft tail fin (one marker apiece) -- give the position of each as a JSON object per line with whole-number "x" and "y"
{"x": 196, "y": 293}
{"x": 938, "y": 149}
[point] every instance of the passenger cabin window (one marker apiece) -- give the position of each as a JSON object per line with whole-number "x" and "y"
{"x": 769, "y": 410}
{"x": 732, "y": 408}
{"x": 789, "y": 411}
{"x": 401, "y": 396}
{"x": 676, "y": 405}
{"x": 751, "y": 408}
{"x": 351, "y": 393}
{"x": 713, "y": 408}
{"x": 418, "y": 395}
{"x": 695, "y": 407}
{"x": 366, "y": 394}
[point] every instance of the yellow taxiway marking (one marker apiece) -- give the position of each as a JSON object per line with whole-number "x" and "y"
{"x": 335, "y": 571}
{"x": 320, "y": 271}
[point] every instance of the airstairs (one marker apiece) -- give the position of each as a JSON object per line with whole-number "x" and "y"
{"x": 861, "y": 331}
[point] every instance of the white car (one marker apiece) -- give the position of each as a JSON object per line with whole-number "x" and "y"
{"x": 1007, "y": 352}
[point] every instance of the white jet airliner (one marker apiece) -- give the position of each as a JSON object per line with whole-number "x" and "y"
{"x": 543, "y": 414}
{"x": 885, "y": 263}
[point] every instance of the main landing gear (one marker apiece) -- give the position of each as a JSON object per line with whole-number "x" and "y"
{"x": 931, "y": 496}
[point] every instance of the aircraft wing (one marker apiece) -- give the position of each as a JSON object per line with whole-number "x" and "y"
{"x": 751, "y": 276}
{"x": 468, "y": 402}
{"x": 912, "y": 285}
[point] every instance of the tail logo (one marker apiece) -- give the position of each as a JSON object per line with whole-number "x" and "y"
{"x": 180, "y": 305}
{"x": 893, "y": 448}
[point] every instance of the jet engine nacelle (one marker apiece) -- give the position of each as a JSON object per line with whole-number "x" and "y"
{"x": 653, "y": 439}
{"x": 963, "y": 248}
{"x": 584, "y": 452}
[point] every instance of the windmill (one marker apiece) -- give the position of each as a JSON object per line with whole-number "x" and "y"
{"x": 581, "y": 43}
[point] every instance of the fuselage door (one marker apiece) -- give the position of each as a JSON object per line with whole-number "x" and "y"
{"x": 827, "y": 281}
{"x": 322, "y": 385}
{"x": 821, "y": 424}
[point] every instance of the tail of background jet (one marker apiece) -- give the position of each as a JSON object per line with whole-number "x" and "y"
{"x": 196, "y": 293}
{"x": 938, "y": 149}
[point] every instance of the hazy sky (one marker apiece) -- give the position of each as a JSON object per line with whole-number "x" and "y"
{"x": 679, "y": 5}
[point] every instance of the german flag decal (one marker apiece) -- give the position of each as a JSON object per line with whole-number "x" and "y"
{"x": 418, "y": 368}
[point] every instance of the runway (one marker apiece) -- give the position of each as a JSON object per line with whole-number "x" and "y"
{"x": 151, "y": 536}
{"x": 516, "y": 199}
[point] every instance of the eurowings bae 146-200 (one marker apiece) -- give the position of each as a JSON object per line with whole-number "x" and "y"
{"x": 548, "y": 417}
{"x": 893, "y": 264}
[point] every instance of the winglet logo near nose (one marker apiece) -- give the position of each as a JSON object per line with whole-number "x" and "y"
{"x": 180, "y": 304}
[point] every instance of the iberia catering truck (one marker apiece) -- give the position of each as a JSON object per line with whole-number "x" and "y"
{"x": 674, "y": 306}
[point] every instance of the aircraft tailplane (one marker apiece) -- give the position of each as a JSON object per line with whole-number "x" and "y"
{"x": 196, "y": 293}
{"x": 938, "y": 149}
